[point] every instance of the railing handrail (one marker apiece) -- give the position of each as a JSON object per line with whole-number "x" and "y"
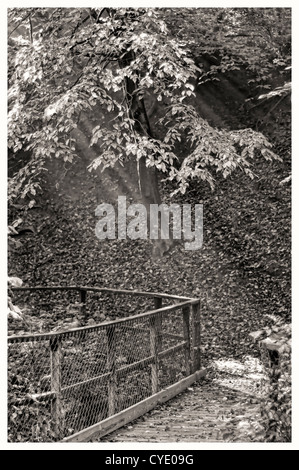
{"x": 103, "y": 325}
{"x": 113, "y": 362}
{"x": 105, "y": 289}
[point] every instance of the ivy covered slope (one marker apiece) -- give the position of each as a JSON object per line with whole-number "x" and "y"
{"x": 212, "y": 115}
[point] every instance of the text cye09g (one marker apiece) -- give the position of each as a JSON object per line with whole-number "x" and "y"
{"x": 173, "y": 459}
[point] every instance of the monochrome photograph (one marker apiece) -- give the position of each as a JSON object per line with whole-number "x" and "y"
{"x": 149, "y": 228}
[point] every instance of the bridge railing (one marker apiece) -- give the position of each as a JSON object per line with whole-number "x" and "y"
{"x": 69, "y": 385}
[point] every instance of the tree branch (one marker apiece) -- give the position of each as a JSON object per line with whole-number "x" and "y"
{"x": 20, "y": 22}
{"x": 31, "y": 29}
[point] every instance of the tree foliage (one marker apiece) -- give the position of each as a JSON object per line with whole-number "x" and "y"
{"x": 277, "y": 403}
{"x": 64, "y": 62}
{"x": 257, "y": 40}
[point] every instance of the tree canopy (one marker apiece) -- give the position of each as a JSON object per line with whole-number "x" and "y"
{"x": 64, "y": 62}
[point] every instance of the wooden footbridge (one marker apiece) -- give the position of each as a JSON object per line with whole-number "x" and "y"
{"x": 84, "y": 383}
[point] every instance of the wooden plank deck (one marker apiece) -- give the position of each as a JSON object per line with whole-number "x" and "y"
{"x": 198, "y": 415}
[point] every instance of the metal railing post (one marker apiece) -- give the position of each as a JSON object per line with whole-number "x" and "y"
{"x": 158, "y": 304}
{"x": 186, "y": 331}
{"x": 56, "y": 410}
{"x": 83, "y": 302}
{"x": 195, "y": 353}
{"x": 111, "y": 364}
{"x": 154, "y": 332}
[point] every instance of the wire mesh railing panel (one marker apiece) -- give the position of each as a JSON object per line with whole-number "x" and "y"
{"x": 84, "y": 405}
{"x": 172, "y": 360}
{"x": 84, "y": 379}
{"x": 133, "y": 387}
{"x": 83, "y": 356}
{"x": 131, "y": 341}
{"x": 172, "y": 369}
{"x": 61, "y": 383}
{"x": 172, "y": 328}
{"x": 29, "y": 388}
